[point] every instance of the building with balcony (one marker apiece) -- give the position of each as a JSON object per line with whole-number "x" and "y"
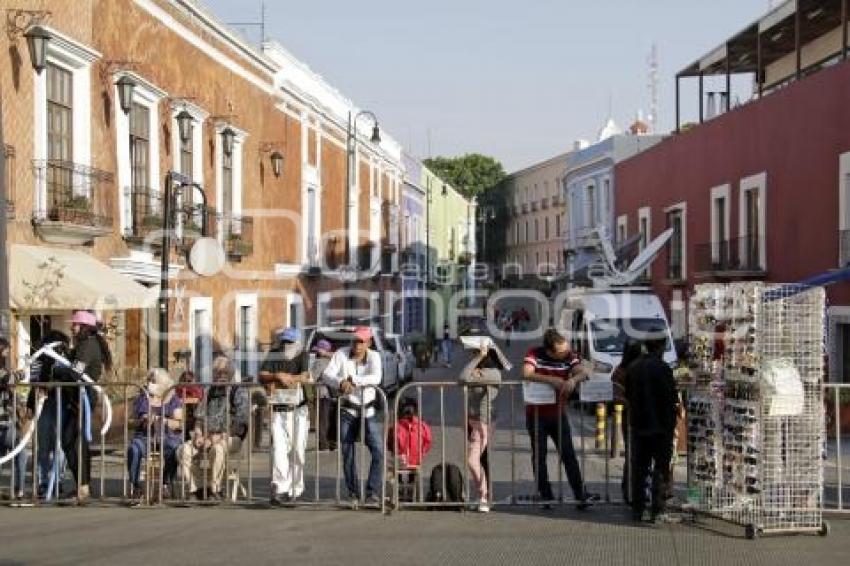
{"x": 138, "y": 96}
{"x": 759, "y": 191}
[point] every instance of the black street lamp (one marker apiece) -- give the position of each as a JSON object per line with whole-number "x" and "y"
{"x": 484, "y": 215}
{"x": 174, "y": 187}
{"x": 184, "y": 125}
{"x": 350, "y": 148}
{"x": 126, "y": 86}
{"x": 277, "y": 163}
{"x": 37, "y": 38}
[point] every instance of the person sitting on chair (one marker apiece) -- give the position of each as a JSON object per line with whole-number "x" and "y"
{"x": 211, "y": 435}
{"x": 160, "y": 411}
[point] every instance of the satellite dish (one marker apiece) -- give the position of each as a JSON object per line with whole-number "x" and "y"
{"x": 207, "y": 257}
{"x": 650, "y": 252}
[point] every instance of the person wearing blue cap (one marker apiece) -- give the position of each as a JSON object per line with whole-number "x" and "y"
{"x": 283, "y": 372}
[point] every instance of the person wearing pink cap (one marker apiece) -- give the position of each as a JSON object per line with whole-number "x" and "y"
{"x": 90, "y": 356}
{"x": 356, "y": 371}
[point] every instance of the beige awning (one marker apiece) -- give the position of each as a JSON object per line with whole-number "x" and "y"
{"x": 51, "y": 279}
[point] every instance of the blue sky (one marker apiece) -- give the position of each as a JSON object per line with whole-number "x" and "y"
{"x": 517, "y": 80}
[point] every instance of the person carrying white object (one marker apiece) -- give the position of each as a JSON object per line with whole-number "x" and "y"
{"x": 356, "y": 371}
{"x": 483, "y": 373}
{"x": 283, "y": 372}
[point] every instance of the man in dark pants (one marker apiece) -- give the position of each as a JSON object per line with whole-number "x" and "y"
{"x": 553, "y": 367}
{"x": 651, "y": 393}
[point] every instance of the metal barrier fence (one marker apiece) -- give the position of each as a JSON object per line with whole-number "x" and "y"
{"x": 158, "y": 448}
{"x": 235, "y": 463}
{"x": 64, "y": 413}
{"x": 503, "y": 444}
{"x": 836, "y": 496}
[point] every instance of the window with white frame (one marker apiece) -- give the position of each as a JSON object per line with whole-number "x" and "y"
{"x": 590, "y": 207}
{"x": 188, "y": 157}
{"x": 622, "y": 229}
{"x": 606, "y": 190}
{"x": 720, "y": 219}
{"x": 645, "y": 230}
{"x": 62, "y": 122}
{"x": 201, "y": 336}
{"x": 752, "y": 243}
{"x": 676, "y": 248}
{"x": 844, "y": 209}
{"x": 246, "y": 335}
{"x": 138, "y": 158}
{"x": 229, "y": 189}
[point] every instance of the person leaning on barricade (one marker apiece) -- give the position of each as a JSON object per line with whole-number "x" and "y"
{"x": 158, "y": 416}
{"x": 211, "y": 435}
{"x": 554, "y": 365}
{"x": 356, "y": 371}
{"x": 484, "y": 369}
{"x": 284, "y": 371}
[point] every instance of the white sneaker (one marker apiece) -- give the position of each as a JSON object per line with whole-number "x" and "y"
{"x": 483, "y": 506}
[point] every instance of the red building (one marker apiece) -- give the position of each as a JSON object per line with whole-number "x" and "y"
{"x": 761, "y": 191}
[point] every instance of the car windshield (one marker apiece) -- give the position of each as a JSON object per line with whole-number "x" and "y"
{"x": 610, "y": 334}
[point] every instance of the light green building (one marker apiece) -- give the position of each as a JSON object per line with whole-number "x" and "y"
{"x": 450, "y": 240}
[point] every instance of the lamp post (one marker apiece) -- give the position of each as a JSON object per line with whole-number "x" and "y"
{"x": 484, "y": 214}
{"x": 350, "y": 148}
{"x": 172, "y": 191}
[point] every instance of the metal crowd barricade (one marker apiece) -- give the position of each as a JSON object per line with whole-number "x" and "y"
{"x": 102, "y": 440}
{"x": 232, "y": 481}
{"x": 836, "y": 496}
{"x": 496, "y": 447}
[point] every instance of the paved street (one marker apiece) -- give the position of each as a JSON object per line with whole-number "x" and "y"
{"x": 230, "y": 536}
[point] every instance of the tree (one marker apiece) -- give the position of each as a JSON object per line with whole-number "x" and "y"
{"x": 470, "y": 174}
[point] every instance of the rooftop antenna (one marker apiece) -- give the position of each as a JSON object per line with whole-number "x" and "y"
{"x": 261, "y": 24}
{"x": 653, "y": 89}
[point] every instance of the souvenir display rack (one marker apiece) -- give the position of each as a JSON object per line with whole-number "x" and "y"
{"x": 755, "y": 411}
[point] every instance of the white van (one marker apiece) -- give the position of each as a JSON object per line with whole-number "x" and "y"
{"x": 599, "y": 321}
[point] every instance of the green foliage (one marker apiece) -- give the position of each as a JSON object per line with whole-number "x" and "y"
{"x": 470, "y": 174}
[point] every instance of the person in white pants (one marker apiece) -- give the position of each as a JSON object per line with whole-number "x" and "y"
{"x": 283, "y": 372}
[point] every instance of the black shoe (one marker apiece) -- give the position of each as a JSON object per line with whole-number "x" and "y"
{"x": 280, "y": 500}
{"x": 589, "y": 500}
{"x": 637, "y": 516}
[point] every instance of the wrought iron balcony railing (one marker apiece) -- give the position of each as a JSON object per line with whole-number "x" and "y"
{"x": 735, "y": 256}
{"x": 238, "y": 235}
{"x": 72, "y": 194}
{"x": 143, "y": 212}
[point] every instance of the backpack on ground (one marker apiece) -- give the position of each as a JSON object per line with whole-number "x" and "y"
{"x": 453, "y": 485}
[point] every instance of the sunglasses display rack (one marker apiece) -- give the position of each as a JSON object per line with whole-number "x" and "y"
{"x": 751, "y": 460}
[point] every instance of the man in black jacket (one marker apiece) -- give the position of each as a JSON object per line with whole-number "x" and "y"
{"x": 651, "y": 393}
